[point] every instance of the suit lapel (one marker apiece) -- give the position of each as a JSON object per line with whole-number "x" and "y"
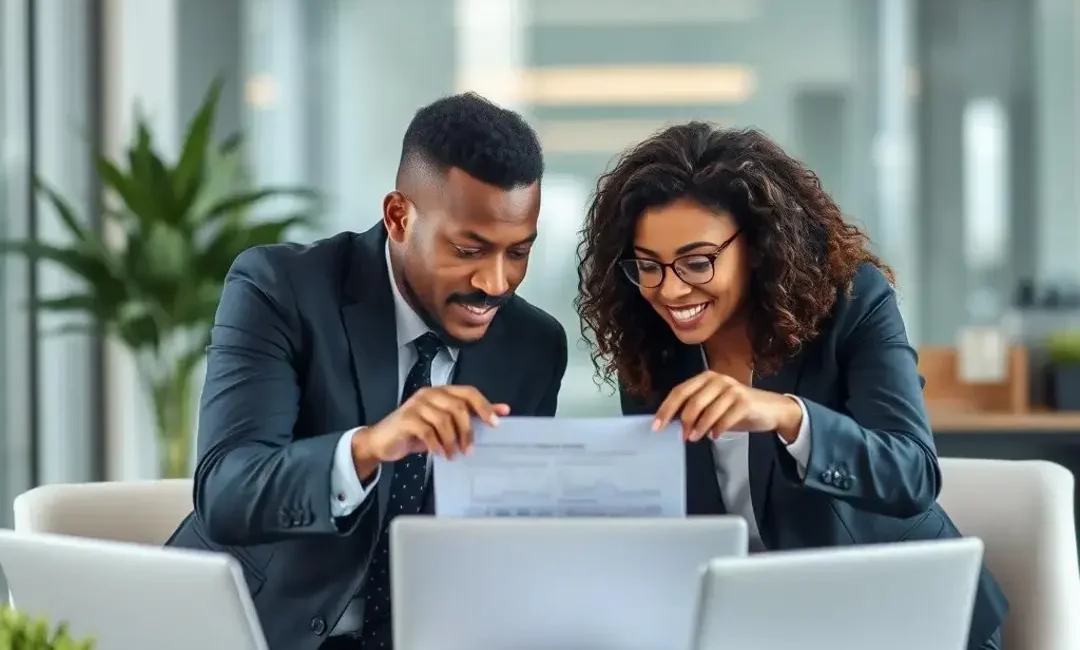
{"x": 703, "y": 492}
{"x": 369, "y": 323}
{"x": 368, "y": 317}
{"x": 703, "y": 496}
{"x": 484, "y": 365}
{"x": 763, "y": 446}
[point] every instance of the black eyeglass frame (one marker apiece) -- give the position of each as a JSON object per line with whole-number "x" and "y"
{"x": 629, "y": 265}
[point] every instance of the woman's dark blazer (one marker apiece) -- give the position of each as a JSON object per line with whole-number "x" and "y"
{"x": 873, "y": 474}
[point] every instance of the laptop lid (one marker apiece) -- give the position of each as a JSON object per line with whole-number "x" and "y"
{"x": 130, "y": 596}
{"x": 912, "y": 595}
{"x": 551, "y": 583}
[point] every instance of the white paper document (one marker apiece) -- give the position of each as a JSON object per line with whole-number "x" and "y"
{"x": 546, "y": 467}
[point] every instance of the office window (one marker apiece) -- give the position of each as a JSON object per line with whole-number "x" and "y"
{"x": 328, "y": 92}
{"x": 48, "y": 427}
{"x": 870, "y": 93}
{"x": 16, "y": 435}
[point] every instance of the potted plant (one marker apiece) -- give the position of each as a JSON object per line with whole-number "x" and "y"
{"x": 19, "y": 632}
{"x": 1063, "y": 370}
{"x": 154, "y": 277}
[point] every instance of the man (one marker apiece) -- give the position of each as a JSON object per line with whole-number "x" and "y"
{"x": 336, "y": 369}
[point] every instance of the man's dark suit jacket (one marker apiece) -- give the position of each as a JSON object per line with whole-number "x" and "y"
{"x": 303, "y": 349}
{"x": 873, "y": 474}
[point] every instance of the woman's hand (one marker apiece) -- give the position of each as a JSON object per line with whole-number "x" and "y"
{"x": 711, "y": 403}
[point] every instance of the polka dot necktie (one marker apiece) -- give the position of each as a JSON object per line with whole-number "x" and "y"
{"x": 406, "y": 498}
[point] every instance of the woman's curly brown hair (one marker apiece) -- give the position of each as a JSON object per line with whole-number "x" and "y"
{"x": 807, "y": 253}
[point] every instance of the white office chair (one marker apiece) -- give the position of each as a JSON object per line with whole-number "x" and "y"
{"x": 1023, "y": 512}
{"x": 144, "y": 512}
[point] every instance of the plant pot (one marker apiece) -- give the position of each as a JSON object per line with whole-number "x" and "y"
{"x": 1064, "y": 385}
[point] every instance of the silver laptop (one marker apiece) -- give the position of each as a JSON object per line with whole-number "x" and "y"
{"x": 551, "y": 583}
{"x": 913, "y": 595}
{"x": 129, "y": 596}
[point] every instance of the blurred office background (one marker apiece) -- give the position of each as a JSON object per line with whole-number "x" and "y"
{"x": 950, "y": 129}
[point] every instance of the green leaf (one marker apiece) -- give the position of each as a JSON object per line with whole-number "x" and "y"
{"x": 149, "y": 173}
{"x": 63, "y": 210}
{"x": 20, "y": 632}
{"x": 140, "y": 151}
{"x": 137, "y": 327}
{"x": 166, "y": 253}
{"x": 231, "y": 240}
{"x": 88, "y": 266}
{"x": 87, "y": 243}
{"x": 186, "y": 175}
{"x": 223, "y": 176}
{"x": 196, "y": 305}
{"x": 162, "y": 196}
{"x": 132, "y": 194}
{"x": 74, "y": 302}
{"x": 231, "y": 144}
{"x": 271, "y": 232}
{"x": 239, "y": 202}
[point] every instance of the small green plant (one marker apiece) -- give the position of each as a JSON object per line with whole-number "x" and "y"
{"x": 153, "y": 277}
{"x": 20, "y": 632}
{"x": 1064, "y": 348}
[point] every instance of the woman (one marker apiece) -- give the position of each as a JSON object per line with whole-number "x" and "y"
{"x": 722, "y": 288}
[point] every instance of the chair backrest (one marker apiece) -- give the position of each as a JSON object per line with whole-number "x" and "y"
{"x": 145, "y": 512}
{"x": 1023, "y": 512}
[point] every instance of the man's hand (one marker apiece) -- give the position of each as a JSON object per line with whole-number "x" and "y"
{"x": 437, "y": 420}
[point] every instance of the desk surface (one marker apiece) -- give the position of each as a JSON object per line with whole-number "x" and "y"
{"x": 943, "y": 421}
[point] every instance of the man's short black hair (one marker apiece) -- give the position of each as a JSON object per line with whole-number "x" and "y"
{"x": 490, "y": 143}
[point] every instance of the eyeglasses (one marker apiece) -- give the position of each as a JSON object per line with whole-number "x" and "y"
{"x": 696, "y": 268}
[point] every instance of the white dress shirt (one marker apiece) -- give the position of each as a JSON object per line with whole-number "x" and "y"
{"x": 733, "y": 470}
{"x": 732, "y": 457}
{"x": 347, "y": 493}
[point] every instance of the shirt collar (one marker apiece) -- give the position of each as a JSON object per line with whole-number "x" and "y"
{"x": 409, "y": 324}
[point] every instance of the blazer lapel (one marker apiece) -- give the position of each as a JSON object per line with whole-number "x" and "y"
{"x": 368, "y": 317}
{"x": 703, "y": 496}
{"x": 486, "y": 364}
{"x": 763, "y": 446}
{"x": 704, "y": 493}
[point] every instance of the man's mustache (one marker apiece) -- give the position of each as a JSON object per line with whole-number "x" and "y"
{"x": 479, "y": 299}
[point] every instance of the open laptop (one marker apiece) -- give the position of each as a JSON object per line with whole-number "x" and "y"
{"x": 907, "y": 596}
{"x": 551, "y": 583}
{"x": 129, "y": 596}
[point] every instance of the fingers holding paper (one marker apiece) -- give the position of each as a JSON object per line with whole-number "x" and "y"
{"x": 438, "y": 420}
{"x": 711, "y": 403}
